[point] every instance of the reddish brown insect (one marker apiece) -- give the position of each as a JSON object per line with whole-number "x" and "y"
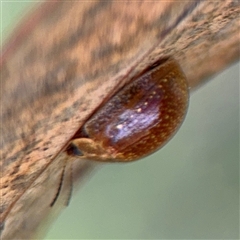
{"x": 138, "y": 120}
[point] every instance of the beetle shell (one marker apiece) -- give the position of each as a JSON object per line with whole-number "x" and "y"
{"x": 139, "y": 119}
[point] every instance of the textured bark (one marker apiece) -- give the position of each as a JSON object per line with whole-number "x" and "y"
{"x": 67, "y": 57}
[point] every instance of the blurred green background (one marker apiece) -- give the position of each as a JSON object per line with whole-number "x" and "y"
{"x": 187, "y": 190}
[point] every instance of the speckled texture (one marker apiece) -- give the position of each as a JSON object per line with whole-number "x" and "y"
{"x": 139, "y": 119}
{"x": 69, "y": 57}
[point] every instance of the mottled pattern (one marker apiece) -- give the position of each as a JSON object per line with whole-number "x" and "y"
{"x": 69, "y": 57}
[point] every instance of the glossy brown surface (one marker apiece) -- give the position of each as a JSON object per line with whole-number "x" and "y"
{"x": 139, "y": 119}
{"x": 68, "y": 56}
